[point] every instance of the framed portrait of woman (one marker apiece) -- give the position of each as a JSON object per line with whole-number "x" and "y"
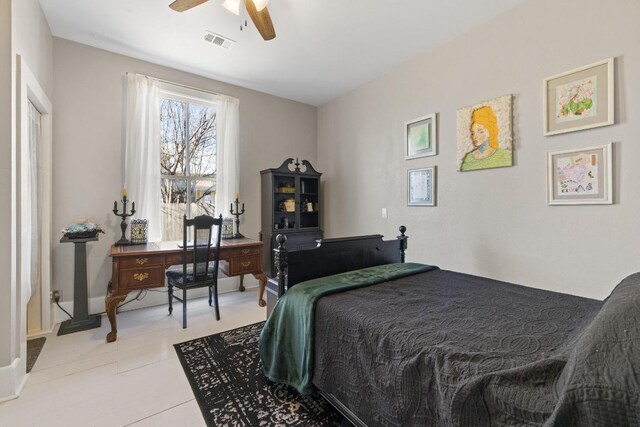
{"x": 485, "y": 135}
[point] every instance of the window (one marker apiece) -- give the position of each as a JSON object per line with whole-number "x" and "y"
{"x": 187, "y": 161}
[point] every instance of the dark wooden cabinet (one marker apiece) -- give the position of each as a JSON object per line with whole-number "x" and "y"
{"x": 291, "y": 205}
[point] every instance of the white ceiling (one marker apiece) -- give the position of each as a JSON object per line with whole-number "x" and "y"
{"x": 323, "y": 48}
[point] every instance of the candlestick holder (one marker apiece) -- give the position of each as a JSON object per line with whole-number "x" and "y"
{"x": 237, "y": 214}
{"x": 124, "y": 215}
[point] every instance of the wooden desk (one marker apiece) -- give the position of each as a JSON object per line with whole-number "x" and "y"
{"x": 139, "y": 267}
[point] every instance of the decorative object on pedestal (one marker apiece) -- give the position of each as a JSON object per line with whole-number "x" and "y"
{"x": 123, "y": 224}
{"x": 237, "y": 214}
{"x": 227, "y": 228}
{"x": 139, "y": 231}
{"x": 85, "y": 230}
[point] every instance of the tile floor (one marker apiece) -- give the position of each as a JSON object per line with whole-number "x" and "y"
{"x": 81, "y": 380}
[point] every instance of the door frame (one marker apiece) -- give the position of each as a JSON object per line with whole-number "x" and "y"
{"x": 30, "y": 91}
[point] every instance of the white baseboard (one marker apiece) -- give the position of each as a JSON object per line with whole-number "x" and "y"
{"x": 12, "y": 380}
{"x": 154, "y": 297}
{"x": 39, "y": 333}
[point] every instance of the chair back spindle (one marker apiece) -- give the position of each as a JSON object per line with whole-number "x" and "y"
{"x": 198, "y": 273}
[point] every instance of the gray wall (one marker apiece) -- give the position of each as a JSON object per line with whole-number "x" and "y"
{"x": 495, "y": 223}
{"x": 33, "y": 41}
{"x": 88, "y": 133}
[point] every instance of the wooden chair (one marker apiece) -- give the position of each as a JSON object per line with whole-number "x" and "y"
{"x": 203, "y": 270}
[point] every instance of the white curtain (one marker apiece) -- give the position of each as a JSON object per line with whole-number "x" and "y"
{"x": 142, "y": 150}
{"x": 32, "y": 217}
{"x": 228, "y": 163}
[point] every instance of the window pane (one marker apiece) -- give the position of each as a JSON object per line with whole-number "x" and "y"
{"x": 173, "y": 207}
{"x": 202, "y": 137}
{"x": 172, "y": 137}
{"x": 202, "y": 196}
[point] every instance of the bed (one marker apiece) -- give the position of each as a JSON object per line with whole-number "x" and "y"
{"x": 391, "y": 343}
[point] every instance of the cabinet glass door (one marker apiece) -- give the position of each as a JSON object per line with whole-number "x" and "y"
{"x": 284, "y": 202}
{"x": 309, "y": 209}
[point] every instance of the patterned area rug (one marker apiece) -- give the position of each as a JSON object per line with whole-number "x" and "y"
{"x": 225, "y": 373}
{"x": 34, "y": 347}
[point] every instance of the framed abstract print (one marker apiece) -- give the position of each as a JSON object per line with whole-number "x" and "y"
{"x": 421, "y": 187}
{"x": 581, "y": 176}
{"x": 420, "y": 137}
{"x": 579, "y": 99}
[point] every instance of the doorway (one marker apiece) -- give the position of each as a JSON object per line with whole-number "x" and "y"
{"x": 33, "y": 220}
{"x": 34, "y": 205}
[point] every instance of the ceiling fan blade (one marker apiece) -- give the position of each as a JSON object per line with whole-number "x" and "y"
{"x": 182, "y": 5}
{"x": 261, "y": 19}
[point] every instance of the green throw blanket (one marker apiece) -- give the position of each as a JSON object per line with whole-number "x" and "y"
{"x": 286, "y": 341}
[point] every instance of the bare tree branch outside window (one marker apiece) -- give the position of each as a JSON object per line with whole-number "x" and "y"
{"x": 188, "y": 152}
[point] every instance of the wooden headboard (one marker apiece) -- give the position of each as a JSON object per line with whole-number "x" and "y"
{"x": 333, "y": 256}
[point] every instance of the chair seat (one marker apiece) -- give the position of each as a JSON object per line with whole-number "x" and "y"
{"x": 175, "y": 274}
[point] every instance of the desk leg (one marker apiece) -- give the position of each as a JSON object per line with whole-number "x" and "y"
{"x": 110, "y": 307}
{"x": 241, "y": 287}
{"x": 262, "y": 278}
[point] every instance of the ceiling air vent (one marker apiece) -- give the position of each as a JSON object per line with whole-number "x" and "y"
{"x": 218, "y": 40}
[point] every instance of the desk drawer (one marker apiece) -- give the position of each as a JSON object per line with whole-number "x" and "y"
{"x": 242, "y": 265}
{"x": 140, "y": 261}
{"x": 242, "y": 252}
{"x": 141, "y": 278}
{"x": 173, "y": 259}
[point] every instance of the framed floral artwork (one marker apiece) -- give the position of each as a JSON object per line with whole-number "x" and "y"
{"x": 420, "y": 137}
{"x": 485, "y": 135}
{"x": 579, "y": 99}
{"x": 421, "y": 187}
{"x": 580, "y": 176}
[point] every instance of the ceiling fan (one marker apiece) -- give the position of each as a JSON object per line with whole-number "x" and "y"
{"x": 257, "y": 10}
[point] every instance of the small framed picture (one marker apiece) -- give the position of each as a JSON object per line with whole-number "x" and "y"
{"x": 580, "y": 177}
{"x": 579, "y": 99}
{"x": 421, "y": 187}
{"x": 420, "y": 137}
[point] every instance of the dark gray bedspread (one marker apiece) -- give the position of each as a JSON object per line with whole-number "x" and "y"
{"x": 444, "y": 348}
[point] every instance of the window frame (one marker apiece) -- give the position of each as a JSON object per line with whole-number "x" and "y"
{"x": 188, "y": 96}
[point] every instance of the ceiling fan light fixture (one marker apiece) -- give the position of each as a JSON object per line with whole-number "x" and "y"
{"x": 232, "y": 6}
{"x": 260, "y": 4}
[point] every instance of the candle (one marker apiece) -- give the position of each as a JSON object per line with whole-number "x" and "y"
{"x": 133, "y": 206}
{"x": 237, "y": 196}
{"x": 124, "y": 192}
{"x": 243, "y": 206}
{"x": 115, "y": 206}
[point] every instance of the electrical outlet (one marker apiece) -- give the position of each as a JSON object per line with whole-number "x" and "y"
{"x": 384, "y": 212}
{"x": 56, "y": 295}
